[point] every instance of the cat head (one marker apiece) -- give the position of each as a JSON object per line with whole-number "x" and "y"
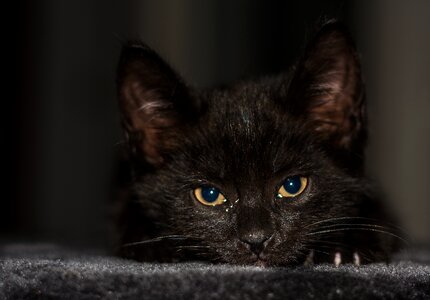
{"x": 243, "y": 172}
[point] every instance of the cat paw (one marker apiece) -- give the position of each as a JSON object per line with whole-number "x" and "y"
{"x": 337, "y": 260}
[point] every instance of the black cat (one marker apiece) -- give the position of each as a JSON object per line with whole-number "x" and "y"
{"x": 267, "y": 172}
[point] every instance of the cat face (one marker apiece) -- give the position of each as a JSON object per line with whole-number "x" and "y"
{"x": 243, "y": 174}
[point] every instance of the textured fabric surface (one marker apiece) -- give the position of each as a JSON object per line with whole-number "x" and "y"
{"x": 48, "y": 272}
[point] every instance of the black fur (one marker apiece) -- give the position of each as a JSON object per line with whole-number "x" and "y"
{"x": 245, "y": 140}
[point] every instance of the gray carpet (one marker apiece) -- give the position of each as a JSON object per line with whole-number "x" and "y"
{"x": 50, "y": 272}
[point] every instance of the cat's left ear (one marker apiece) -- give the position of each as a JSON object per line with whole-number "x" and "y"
{"x": 327, "y": 87}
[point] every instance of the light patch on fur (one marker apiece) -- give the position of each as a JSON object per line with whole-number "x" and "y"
{"x": 309, "y": 259}
{"x": 337, "y": 259}
{"x": 152, "y": 106}
{"x": 357, "y": 260}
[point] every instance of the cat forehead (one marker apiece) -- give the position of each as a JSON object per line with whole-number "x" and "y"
{"x": 245, "y": 105}
{"x": 246, "y": 148}
{"x": 246, "y": 113}
{"x": 244, "y": 128}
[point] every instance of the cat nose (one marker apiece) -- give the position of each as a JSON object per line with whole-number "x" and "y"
{"x": 256, "y": 241}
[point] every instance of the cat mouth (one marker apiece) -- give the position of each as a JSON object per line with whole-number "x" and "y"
{"x": 261, "y": 263}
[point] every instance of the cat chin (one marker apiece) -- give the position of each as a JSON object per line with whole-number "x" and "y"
{"x": 261, "y": 263}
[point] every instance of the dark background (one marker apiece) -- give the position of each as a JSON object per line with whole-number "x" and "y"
{"x": 62, "y": 126}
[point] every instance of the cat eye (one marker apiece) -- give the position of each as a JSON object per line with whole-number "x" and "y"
{"x": 292, "y": 187}
{"x": 209, "y": 196}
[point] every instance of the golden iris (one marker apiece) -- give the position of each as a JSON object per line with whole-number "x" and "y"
{"x": 292, "y": 187}
{"x": 209, "y": 196}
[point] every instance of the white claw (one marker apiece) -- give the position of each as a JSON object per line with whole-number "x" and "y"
{"x": 310, "y": 258}
{"x": 357, "y": 261}
{"x": 337, "y": 259}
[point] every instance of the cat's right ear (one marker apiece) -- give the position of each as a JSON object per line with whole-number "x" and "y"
{"x": 154, "y": 102}
{"x": 327, "y": 89}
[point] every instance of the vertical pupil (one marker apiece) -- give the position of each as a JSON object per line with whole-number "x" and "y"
{"x": 210, "y": 194}
{"x": 293, "y": 184}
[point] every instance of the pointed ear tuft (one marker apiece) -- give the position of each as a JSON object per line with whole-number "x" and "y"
{"x": 154, "y": 102}
{"x": 328, "y": 89}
